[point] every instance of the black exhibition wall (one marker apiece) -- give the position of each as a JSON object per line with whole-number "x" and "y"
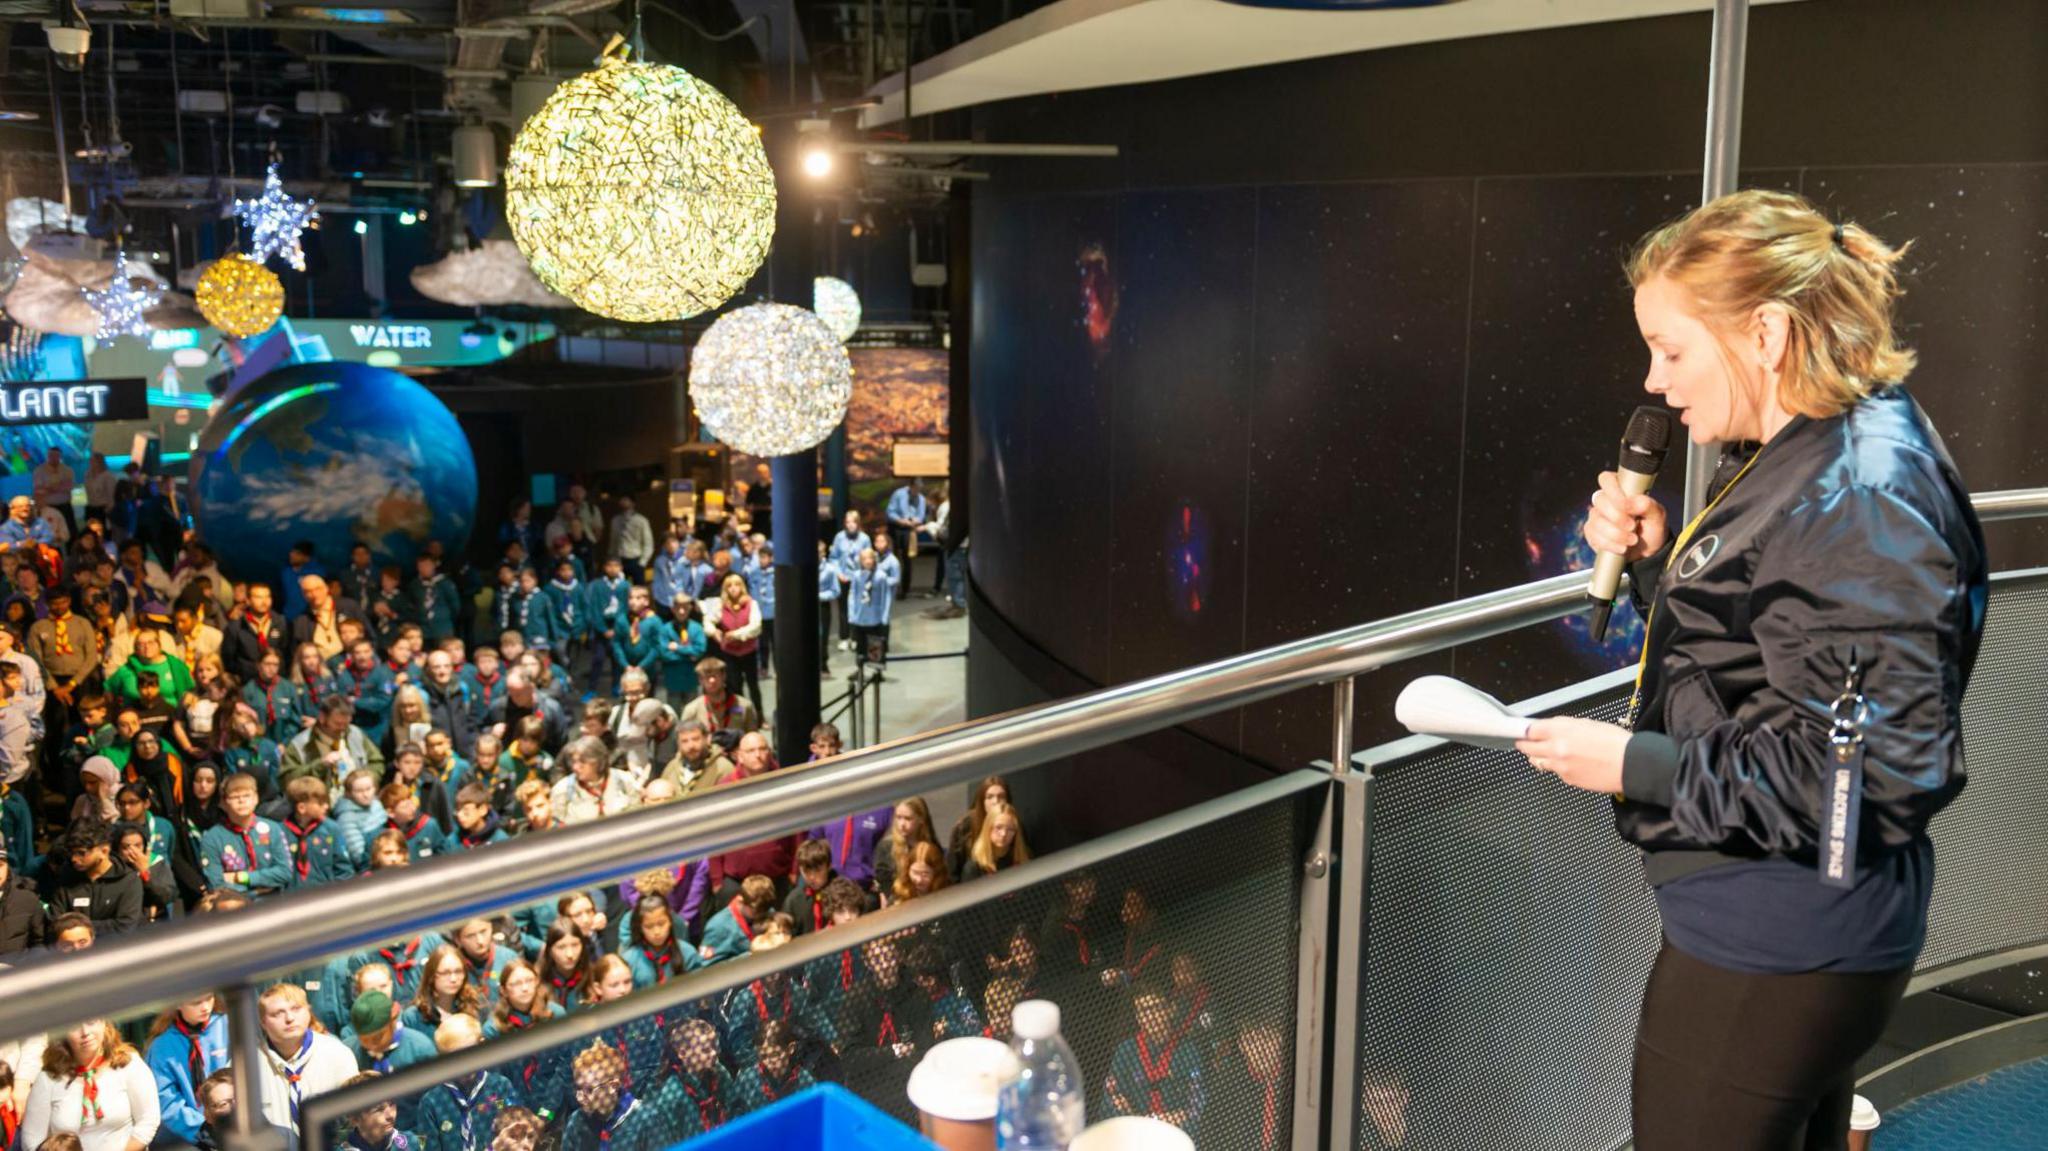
{"x": 1343, "y": 338}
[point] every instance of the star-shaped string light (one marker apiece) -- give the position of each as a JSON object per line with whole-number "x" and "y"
{"x": 121, "y": 304}
{"x": 275, "y": 220}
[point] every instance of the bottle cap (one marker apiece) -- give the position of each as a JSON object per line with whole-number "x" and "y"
{"x": 1036, "y": 1019}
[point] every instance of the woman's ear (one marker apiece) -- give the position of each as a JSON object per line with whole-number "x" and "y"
{"x": 1771, "y": 332}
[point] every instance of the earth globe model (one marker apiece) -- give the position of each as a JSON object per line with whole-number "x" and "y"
{"x": 336, "y": 453}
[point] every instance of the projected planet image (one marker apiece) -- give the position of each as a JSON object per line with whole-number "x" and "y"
{"x": 1187, "y": 560}
{"x": 1562, "y": 549}
{"x": 1098, "y": 298}
{"x": 335, "y": 453}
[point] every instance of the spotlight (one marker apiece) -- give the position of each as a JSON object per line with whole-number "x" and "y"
{"x": 70, "y": 37}
{"x": 817, "y": 162}
{"x": 814, "y": 148}
{"x": 476, "y": 156}
{"x": 362, "y": 228}
{"x": 407, "y": 219}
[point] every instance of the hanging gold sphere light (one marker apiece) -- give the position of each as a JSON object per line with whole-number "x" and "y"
{"x": 239, "y": 296}
{"x": 640, "y": 192}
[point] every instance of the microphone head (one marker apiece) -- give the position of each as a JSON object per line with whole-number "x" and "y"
{"x": 1646, "y": 441}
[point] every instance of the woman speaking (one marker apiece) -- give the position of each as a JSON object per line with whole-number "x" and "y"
{"x": 1797, "y": 715}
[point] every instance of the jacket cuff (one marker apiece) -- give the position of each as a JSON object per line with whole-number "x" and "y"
{"x": 1649, "y": 768}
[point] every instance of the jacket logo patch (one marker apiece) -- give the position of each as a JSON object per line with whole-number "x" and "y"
{"x": 1698, "y": 556}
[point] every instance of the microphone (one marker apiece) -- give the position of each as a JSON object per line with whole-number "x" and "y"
{"x": 1643, "y": 447}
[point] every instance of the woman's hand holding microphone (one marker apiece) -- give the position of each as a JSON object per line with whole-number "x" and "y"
{"x": 1587, "y": 753}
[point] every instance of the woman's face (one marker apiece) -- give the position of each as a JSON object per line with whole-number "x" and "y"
{"x": 86, "y": 1041}
{"x": 204, "y": 784}
{"x": 995, "y": 797}
{"x": 196, "y": 1012}
{"x": 583, "y": 914}
{"x": 310, "y": 662}
{"x": 905, "y": 821}
{"x": 1002, "y": 833}
{"x": 448, "y": 980}
{"x": 567, "y": 952}
{"x": 520, "y": 986}
{"x": 1691, "y": 369}
{"x": 205, "y": 673}
{"x": 921, "y": 877}
{"x": 146, "y": 745}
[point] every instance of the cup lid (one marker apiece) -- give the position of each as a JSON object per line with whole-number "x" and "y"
{"x": 959, "y": 1079}
{"x": 1863, "y": 1115}
{"x": 1133, "y": 1133}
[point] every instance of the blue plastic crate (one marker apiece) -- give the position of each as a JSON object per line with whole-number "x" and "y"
{"x": 827, "y": 1117}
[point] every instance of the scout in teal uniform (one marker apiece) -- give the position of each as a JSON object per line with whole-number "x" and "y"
{"x": 642, "y": 640}
{"x": 697, "y": 1094}
{"x": 686, "y": 645}
{"x": 462, "y": 1115}
{"x": 607, "y": 1116}
{"x": 1154, "y": 1072}
{"x": 610, "y": 611}
{"x": 653, "y": 952}
{"x": 484, "y": 958}
{"x": 376, "y": 1128}
{"x": 569, "y": 623}
{"x": 405, "y": 960}
{"x": 533, "y": 611}
{"x": 319, "y": 854}
{"x": 247, "y": 750}
{"x": 423, "y": 836}
{"x": 369, "y": 686}
{"x": 777, "y": 997}
{"x": 432, "y": 602}
{"x": 730, "y": 932}
{"x": 639, "y": 1040}
{"x": 566, "y": 960}
{"x": 189, "y": 1042}
{"x": 476, "y": 821}
{"x": 951, "y": 1015}
{"x": 277, "y": 701}
{"x": 445, "y": 991}
{"x": 384, "y": 1044}
{"x": 773, "y": 1074}
{"x": 541, "y": 1080}
{"x": 244, "y": 852}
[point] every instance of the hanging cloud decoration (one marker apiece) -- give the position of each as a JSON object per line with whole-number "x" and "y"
{"x": 30, "y": 215}
{"x": 496, "y": 273}
{"x": 48, "y": 296}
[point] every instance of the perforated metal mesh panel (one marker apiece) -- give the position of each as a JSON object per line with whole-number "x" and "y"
{"x": 1218, "y": 948}
{"x": 1991, "y": 845}
{"x": 1511, "y": 932}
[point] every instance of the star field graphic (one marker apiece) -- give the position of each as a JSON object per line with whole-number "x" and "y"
{"x": 1187, "y": 560}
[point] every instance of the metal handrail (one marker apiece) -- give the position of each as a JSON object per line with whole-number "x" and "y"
{"x": 206, "y": 953}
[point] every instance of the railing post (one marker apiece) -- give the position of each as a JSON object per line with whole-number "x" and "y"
{"x": 875, "y": 716}
{"x": 1344, "y": 695}
{"x": 853, "y": 712}
{"x": 248, "y": 1130}
{"x": 1722, "y": 168}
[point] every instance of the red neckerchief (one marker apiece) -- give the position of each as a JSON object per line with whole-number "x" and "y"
{"x": 705, "y": 1097}
{"x": 1156, "y": 1070}
{"x": 262, "y": 632}
{"x": 740, "y": 917}
{"x": 396, "y": 668}
{"x": 400, "y": 966}
{"x": 269, "y": 703}
{"x": 596, "y": 793}
{"x": 195, "y": 1059}
{"x": 486, "y": 684}
{"x": 885, "y": 1035}
{"x": 1269, "y": 1110}
{"x": 761, "y": 1000}
{"x": 89, "y": 1109}
{"x": 846, "y": 971}
{"x": 482, "y": 837}
{"x": 817, "y": 911}
{"x": 660, "y": 961}
{"x": 360, "y": 677}
{"x": 562, "y": 986}
{"x": 1080, "y": 939}
{"x": 727, "y": 712}
{"x": 419, "y": 824}
{"x": 1134, "y": 969}
{"x": 248, "y": 842}
{"x": 483, "y": 969}
{"x": 300, "y": 846}
{"x": 846, "y": 842}
{"x": 772, "y": 1089}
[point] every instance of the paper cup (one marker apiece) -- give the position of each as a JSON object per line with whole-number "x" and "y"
{"x": 954, "y": 1089}
{"x": 1133, "y": 1133}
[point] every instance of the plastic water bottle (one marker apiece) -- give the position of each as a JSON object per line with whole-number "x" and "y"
{"x": 1040, "y": 1105}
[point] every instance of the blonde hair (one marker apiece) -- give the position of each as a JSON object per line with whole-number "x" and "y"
{"x": 1838, "y": 284}
{"x": 984, "y": 848}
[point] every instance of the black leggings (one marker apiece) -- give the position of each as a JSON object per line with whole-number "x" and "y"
{"x": 1731, "y": 1061}
{"x": 743, "y": 677}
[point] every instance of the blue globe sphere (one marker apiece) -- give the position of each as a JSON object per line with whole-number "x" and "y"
{"x": 338, "y": 454}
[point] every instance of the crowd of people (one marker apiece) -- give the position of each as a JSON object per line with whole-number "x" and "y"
{"x": 175, "y": 743}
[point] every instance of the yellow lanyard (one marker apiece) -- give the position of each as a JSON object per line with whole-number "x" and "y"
{"x": 1677, "y": 549}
